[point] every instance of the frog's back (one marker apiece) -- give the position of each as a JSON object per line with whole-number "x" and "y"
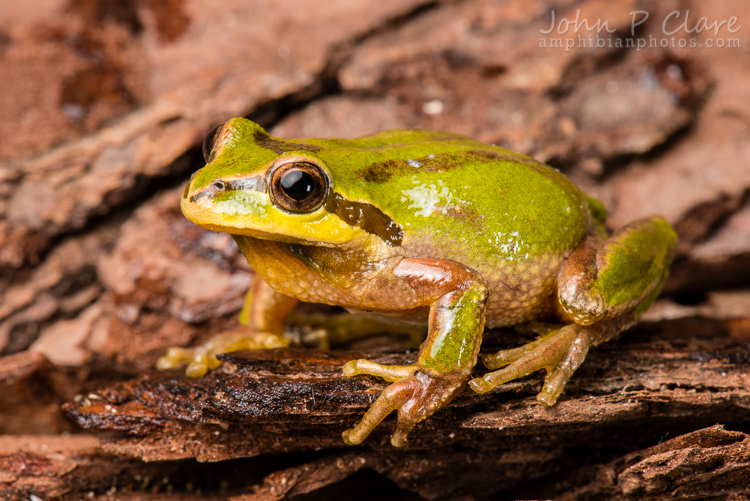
{"x": 503, "y": 214}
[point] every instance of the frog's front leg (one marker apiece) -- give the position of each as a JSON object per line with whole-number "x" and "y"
{"x": 604, "y": 286}
{"x": 262, "y": 321}
{"x": 456, "y": 296}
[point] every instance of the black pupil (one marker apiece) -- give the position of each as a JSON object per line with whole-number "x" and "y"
{"x": 297, "y": 184}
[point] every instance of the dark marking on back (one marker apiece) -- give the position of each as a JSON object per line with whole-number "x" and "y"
{"x": 382, "y": 172}
{"x": 366, "y": 216}
{"x": 280, "y": 146}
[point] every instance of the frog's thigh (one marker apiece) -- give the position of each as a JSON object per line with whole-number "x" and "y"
{"x": 457, "y": 297}
{"x": 603, "y": 288}
{"x": 624, "y": 274}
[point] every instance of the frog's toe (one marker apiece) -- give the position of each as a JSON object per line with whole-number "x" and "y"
{"x": 393, "y": 397}
{"x": 560, "y": 353}
{"x": 506, "y": 357}
{"x": 201, "y": 364}
{"x": 558, "y": 377}
{"x": 416, "y": 397}
{"x": 198, "y": 361}
{"x": 390, "y": 373}
{"x": 174, "y": 358}
{"x": 202, "y": 359}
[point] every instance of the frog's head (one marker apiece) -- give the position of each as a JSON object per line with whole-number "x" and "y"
{"x": 267, "y": 188}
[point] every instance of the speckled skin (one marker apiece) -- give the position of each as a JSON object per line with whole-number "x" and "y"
{"x": 426, "y": 224}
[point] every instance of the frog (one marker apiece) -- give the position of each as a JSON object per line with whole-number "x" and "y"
{"x": 424, "y": 226}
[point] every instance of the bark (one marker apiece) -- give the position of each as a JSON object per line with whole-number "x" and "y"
{"x": 104, "y": 107}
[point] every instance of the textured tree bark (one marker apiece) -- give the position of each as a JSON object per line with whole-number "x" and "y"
{"x": 661, "y": 384}
{"x": 104, "y": 106}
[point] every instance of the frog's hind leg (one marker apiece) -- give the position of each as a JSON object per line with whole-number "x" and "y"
{"x": 560, "y": 353}
{"x": 623, "y": 274}
{"x": 603, "y": 288}
{"x": 547, "y": 353}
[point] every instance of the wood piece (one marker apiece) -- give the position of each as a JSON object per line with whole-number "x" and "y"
{"x": 657, "y": 382}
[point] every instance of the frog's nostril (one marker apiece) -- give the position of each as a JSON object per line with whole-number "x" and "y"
{"x": 219, "y": 186}
{"x": 186, "y": 191}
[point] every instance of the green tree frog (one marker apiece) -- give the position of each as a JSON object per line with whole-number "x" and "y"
{"x": 424, "y": 225}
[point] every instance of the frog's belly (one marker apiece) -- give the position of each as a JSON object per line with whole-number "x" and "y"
{"x": 518, "y": 294}
{"x": 520, "y": 290}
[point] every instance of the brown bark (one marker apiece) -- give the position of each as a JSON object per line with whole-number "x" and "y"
{"x": 104, "y": 106}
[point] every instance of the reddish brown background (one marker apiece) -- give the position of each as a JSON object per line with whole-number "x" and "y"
{"x": 103, "y": 107}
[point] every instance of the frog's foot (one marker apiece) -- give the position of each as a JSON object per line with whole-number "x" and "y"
{"x": 415, "y": 395}
{"x": 203, "y": 358}
{"x": 559, "y": 352}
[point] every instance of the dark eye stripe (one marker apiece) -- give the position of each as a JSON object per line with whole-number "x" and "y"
{"x": 256, "y": 183}
{"x": 368, "y": 217}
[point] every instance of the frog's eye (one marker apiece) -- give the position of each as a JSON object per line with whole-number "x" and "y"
{"x": 210, "y": 142}
{"x": 299, "y": 186}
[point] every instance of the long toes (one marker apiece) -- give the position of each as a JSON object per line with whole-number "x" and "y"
{"x": 200, "y": 365}
{"x": 507, "y": 357}
{"x": 391, "y": 399}
{"x": 270, "y": 341}
{"x": 363, "y": 367}
{"x": 350, "y": 369}
{"x": 480, "y": 386}
{"x": 173, "y": 358}
{"x": 559, "y": 376}
{"x": 548, "y": 396}
{"x": 503, "y": 358}
{"x": 542, "y": 355}
{"x": 517, "y": 369}
{"x": 400, "y": 435}
{"x": 354, "y": 436}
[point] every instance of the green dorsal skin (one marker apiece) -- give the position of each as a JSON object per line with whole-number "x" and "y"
{"x": 435, "y": 186}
